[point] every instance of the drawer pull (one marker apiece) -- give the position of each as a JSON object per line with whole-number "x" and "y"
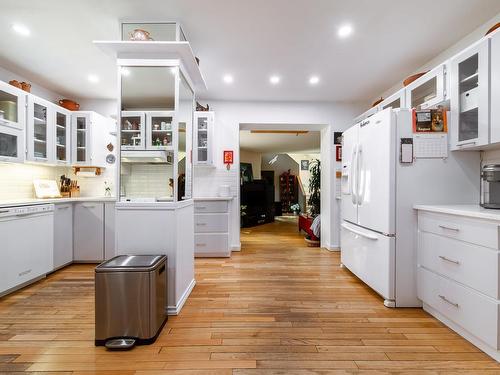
{"x": 201, "y": 207}
{"x": 201, "y": 244}
{"x": 201, "y": 224}
{"x": 449, "y": 260}
{"x": 449, "y": 228}
{"x": 448, "y": 301}
{"x": 63, "y": 208}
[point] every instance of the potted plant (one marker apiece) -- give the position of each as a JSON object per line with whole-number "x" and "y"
{"x": 314, "y": 200}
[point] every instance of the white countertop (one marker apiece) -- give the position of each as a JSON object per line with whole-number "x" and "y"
{"x": 213, "y": 198}
{"x": 33, "y": 201}
{"x": 468, "y": 210}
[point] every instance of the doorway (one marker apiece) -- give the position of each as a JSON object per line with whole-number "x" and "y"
{"x": 275, "y": 170}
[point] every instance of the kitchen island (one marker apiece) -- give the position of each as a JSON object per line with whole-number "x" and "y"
{"x": 161, "y": 228}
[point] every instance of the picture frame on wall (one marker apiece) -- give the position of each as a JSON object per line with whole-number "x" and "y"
{"x": 337, "y": 138}
{"x": 304, "y": 165}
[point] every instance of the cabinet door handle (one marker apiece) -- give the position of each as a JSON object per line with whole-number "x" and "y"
{"x": 449, "y": 260}
{"x": 201, "y": 224}
{"x": 448, "y": 301}
{"x": 449, "y": 228}
{"x": 201, "y": 207}
{"x": 63, "y": 208}
{"x": 467, "y": 143}
{"x": 201, "y": 244}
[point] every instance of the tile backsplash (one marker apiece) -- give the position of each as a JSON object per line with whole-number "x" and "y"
{"x": 16, "y": 180}
{"x": 146, "y": 180}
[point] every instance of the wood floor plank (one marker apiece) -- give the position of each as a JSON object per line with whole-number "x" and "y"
{"x": 277, "y": 307}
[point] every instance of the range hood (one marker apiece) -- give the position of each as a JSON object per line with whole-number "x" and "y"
{"x": 159, "y": 156}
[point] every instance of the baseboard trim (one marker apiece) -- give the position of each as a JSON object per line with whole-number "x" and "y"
{"x": 175, "y": 310}
{"x": 492, "y": 352}
{"x": 236, "y": 247}
{"x": 333, "y": 249}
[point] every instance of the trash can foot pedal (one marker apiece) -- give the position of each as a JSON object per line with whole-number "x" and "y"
{"x": 120, "y": 344}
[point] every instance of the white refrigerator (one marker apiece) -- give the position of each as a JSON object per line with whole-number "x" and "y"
{"x": 379, "y": 189}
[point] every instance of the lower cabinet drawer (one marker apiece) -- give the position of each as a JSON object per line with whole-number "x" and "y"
{"x": 210, "y": 207}
{"x": 469, "y": 309}
{"x": 476, "y": 231}
{"x": 472, "y": 265}
{"x": 210, "y": 223}
{"x": 211, "y": 245}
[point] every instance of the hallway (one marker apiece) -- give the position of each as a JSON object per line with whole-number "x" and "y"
{"x": 277, "y": 307}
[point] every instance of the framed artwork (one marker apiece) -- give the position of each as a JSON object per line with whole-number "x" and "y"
{"x": 337, "y": 138}
{"x": 246, "y": 172}
{"x": 304, "y": 165}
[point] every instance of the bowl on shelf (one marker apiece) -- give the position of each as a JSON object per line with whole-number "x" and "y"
{"x": 16, "y": 83}
{"x": 25, "y": 86}
{"x": 70, "y": 105}
{"x": 377, "y": 102}
{"x": 493, "y": 28}
{"x": 412, "y": 78}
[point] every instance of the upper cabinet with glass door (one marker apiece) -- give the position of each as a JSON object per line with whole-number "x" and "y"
{"x": 429, "y": 90}
{"x": 153, "y": 31}
{"x": 470, "y": 80}
{"x": 160, "y": 130}
{"x": 395, "y": 101}
{"x": 203, "y": 138}
{"x": 40, "y": 125}
{"x": 132, "y": 128}
{"x": 12, "y": 106}
{"x": 62, "y": 136}
{"x": 81, "y": 139}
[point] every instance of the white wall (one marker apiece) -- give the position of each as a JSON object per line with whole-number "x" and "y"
{"x": 254, "y": 158}
{"x": 229, "y": 115}
{"x": 446, "y": 54}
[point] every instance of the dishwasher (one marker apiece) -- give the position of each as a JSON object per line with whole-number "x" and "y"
{"x": 27, "y": 235}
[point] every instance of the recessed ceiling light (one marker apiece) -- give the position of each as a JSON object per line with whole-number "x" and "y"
{"x": 228, "y": 78}
{"x": 274, "y": 80}
{"x": 314, "y": 80}
{"x": 93, "y": 78}
{"x": 344, "y": 31}
{"x": 21, "y": 29}
{"x": 124, "y": 71}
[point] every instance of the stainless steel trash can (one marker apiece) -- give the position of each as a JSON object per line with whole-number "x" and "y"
{"x": 130, "y": 300}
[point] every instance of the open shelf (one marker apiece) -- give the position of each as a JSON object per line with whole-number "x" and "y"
{"x": 473, "y": 77}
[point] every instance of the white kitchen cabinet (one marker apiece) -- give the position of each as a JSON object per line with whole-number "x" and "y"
{"x": 11, "y": 144}
{"x": 39, "y": 130}
{"x": 495, "y": 87}
{"x": 211, "y": 227}
{"x": 429, "y": 90}
{"x": 160, "y": 127}
{"x": 12, "y": 106}
{"x": 109, "y": 231}
{"x": 63, "y": 234}
{"x": 203, "y": 142}
{"x": 395, "y": 101}
{"x": 62, "y": 134}
{"x": 470, "y": 82}
{"x": 133, "y": 130}
{"x": 458, "y": 278}
{"x": 91, "y": 133}
{"x": 88, "y": 242}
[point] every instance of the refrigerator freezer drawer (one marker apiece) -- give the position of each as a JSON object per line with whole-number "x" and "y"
{"x": 370, "y": 256}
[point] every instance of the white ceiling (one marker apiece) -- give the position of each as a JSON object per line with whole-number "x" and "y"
{"x": 249, "y": 39}
{"x": 308, "y": 143}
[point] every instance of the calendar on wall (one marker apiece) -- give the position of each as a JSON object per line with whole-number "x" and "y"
{"x": 430, "y": 145}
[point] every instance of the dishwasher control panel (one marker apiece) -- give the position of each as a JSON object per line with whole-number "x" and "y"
{"x": 26, "y": 210}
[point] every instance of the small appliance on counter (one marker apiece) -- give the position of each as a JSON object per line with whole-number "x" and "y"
{"x": 490, "y": 186}
{"x": 130, "y": 300}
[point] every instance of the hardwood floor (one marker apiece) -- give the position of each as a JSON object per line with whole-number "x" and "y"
{"x": 277, "y": 307}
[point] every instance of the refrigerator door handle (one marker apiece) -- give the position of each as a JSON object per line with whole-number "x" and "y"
{"x": 361, "y": 177}
{"x": 352, "y": 174}
{"x": 359, "y": 233}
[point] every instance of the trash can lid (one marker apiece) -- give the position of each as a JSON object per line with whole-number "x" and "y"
{"x": 131, "y": 263}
